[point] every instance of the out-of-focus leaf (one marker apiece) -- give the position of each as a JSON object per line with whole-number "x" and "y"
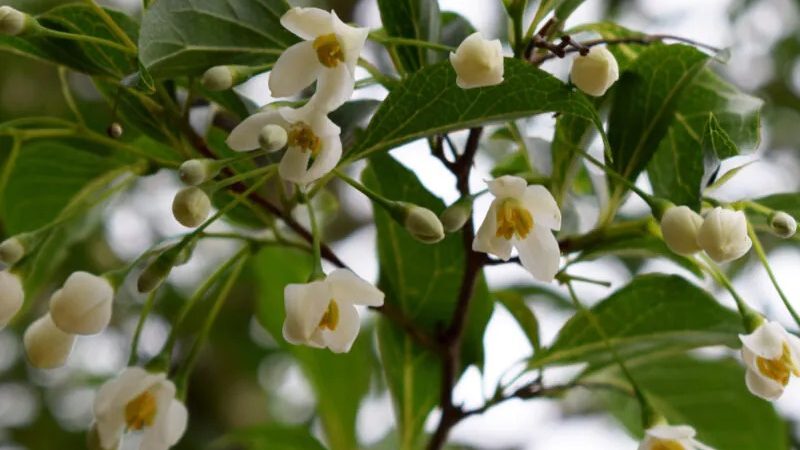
{"x": 514, "y": 164}
{"x": 652, "y": 313}
{"x": 186, "y": 37}
{"x": 524, "y": 316}
{"x": 411, "y": 19}
{"x": 455, "y": 28}
{"x": 570, "y": 137}
{"x": 639, "y": 247}
{"x": 788, "y": 202}
{"x": 270, "y": 436}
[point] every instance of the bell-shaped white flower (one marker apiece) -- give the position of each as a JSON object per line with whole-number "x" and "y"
{"x": 772, "y": 356}
{"x": 313, "y": 146}
{"x": 478, "y": 62}
{"x": 595, "y": 72}
{"x": 322, "y": 313}
{"x": 137, "y": 400}
{"x": 524, "y": 217}
{"x": 672, "y": 437}
{"x": 723, "y": 235}
{"x": 328, "y": 53}
{"x": 11, "y": 296}
{"x": 680, "y": 226}
{"x": 46, "y": 345}
{"x": 83, "y": 305}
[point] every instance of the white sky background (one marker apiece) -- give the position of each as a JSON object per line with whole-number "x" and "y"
{"x": 532, "y": 425}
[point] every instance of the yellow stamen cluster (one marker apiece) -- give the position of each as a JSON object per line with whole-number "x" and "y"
{"x": 513, "y": 218}
{"x": 779, "y": 369}
{"x": 301, "y": 135}
{"x": 329, "y": 50}
{"x": 141, "y": 411}
{"x": 667, "y": 445}
{"x": 330, "y": 319}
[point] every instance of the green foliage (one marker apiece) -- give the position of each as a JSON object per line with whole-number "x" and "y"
{"x": 638, "y": 246}
{"x": 270, "y": 437}
{"x": 413, "y": 19}
{"x": 525, "y": 317}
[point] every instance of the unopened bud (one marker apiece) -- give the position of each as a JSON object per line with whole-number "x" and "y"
{"x": 114, "y": 131}
{"x": 218, "y": 78}
{"x": 782, "y": 224}
{"x": 272, "y": 138}
{"x": 679, "y": 226}
{"x": 197, "y": 171}
{"x": 83, "y": 305}
{"x": 11, "y": 250}
{"x": 723, "y": 235}
{"x": 157, "y": 271}
{"x": 478, "y": 62}
{"x": 14, "y": 22}
{"x": 595, "y": 72}
{"x": 12, "y": 296}
{"x": 46, "y": 345}
{"x": 422, "y": 224}
{"x": 191, "y": 206}
{"x": 456, "y": 215}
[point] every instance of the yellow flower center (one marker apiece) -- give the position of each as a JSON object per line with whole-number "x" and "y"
{"x": 512, "y": 219}
{"x": 141, "y": 411}
{"x": 779, "y": 369}
{"x": 329, "y": 50}
{"x": 301, "y": 135}
{"x": 667, "y": 445}
{"x": 330, "y": 319}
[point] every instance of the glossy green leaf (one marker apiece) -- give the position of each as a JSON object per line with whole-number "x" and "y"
{"x": 185, "y": 37}
{"x": 652, "y": 313}
{"x": 709, "y": 395}
{"x": 430, "y": 102}
{"x": 411, "y": 19}
{"x": 423, "y": 281}
{"x": 270, "y": 436}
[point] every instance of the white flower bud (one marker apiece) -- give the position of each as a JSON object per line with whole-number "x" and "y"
{"x": 680, "y": 226}
{"x": 272, "y": 138}
{"x": 595, "y": 72}
{"x": 83, "y": 305}
{"x": 423, "y": 224}
{"x": 46, "y": 345}
{"x": 12, "y": 21}
{"x": 723, "y": 235}
{"x": 115, "y": 130}
{"x": 11, "y": 296}
{"x": 197, "y": 171}
{"x": 218, "y": 78}
{"x": 191, "y": 206}
{"x": 478, "y": 62}
{"x": 11, "y": 251}
{"x": 456, "y": 215}
{"x": 782, "y": 225}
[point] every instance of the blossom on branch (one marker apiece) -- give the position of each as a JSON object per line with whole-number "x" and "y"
{"x": 772, "y": 356}
{"x": 478, "y": 62}
{"x": 671, "y": 437}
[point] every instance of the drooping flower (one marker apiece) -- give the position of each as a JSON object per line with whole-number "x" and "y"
{"x": 83, "y": 305}
{"x": 478, "y": 62}
{"x": 329, "y": 53}
{"x": 772, "y": 356}
{"x": 595, "y": 72}
{"x": 680, "y": 226}
{"x": 137, "y": 400}
{"x": 322, "y": 313}
{"x": 524, "y": 217}
{"x": 11, "y": 296}
{"x": 723, "y": 235}
{"x": 672, "y": 437}
{"x": 46, "y": 345}
{"x": 313, "y": 146}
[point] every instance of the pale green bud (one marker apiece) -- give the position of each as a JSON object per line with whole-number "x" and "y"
{"x": 456, "y": 215}
{"x": 782, "y": 224}
{"x": 272, "y": 138}
{"x": 197, "y": 171}
{"x": 423, "y": 224}
{"x": 191, "y": 206}
{"x": 14, "y": 22}
{"x": 11, "y": 250}
{"x": 218, "y": 78}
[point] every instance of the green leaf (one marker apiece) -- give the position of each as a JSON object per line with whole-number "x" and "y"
{"x": 709, "y": 395}
{"x": 270, "y": 436}
{"x": 646, "y": 100}
{"x": 455, "y": 28}
{"x": 625, "y": 54}
{"x": 339, "y": 381}
{"x": 524, "y": 316}
{"x": 422, "y": 281}
{"x": 639, "y": 247}
{"x": 788, "y": 202}
{"x": 570, "y": 137}
{"x": 653, "y": 312}
{"x": 185, "y": 37}
{"x": 411, "y": 19}
{"x": 430, "y": 102}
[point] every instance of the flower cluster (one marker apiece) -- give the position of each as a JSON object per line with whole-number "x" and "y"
{"x": 722, "y": 234}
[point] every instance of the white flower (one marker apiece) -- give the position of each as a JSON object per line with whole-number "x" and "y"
{"x": 12, "y": 21}
{"x": 522, "y": 216}
{"x": 191, "y": 206}
{"x": 11, "y": 296}
{"x": 723, "y": 235}
{"x": 322, "y": 313}
{"x": 83, "y": 305}
{"x": 595, "y": 72}
{"x": 680, "y": 226}
{"x": 311, "y": 135}
{"x": 478, "y": 62}
{"x": 671, "y": 437}
{"x": 46, "y": 345}
{"x": 772, "y": 356}
{"x": 137, "y": 400}
{"x": 329, "y": 53}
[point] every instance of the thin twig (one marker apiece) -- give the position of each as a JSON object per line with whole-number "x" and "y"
{"x": 556, "y": 50}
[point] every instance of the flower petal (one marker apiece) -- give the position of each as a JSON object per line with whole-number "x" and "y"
{"x": 308, "y": 23}
{"x": 295, "y": 69}
{"x": 294, "y": 165}
{"x": 766, "y": 341}
{"x": 349, "y": 287}
{"x": 305, "y": 305}
{"x": 341, "y": 339}
{"x": 245, "y": 136}
{"x": 675, "y": 432}
{"x": 486, "y": 239}
{"x": 540, "y": 202}
{"x": 507, "y": 186}
{"x": 540, "y": 254}
{"x": 326, "y": 160}
{"x": 177, "y": 418}
{"x": 762, "y": 386}
{"x": 334, "y": 87}
{"x": 351, "y": 39}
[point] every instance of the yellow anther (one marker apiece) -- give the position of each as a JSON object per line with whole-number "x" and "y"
{"x": 779, "y": 369}
{"x": 330, "y": 319}
{"x": 513, "y": 218}
{"x": 302, "y": 136}
{"x": 141, "y": 411}
{"x": 329, "y": 50}
{"x": 667, "y": 445}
